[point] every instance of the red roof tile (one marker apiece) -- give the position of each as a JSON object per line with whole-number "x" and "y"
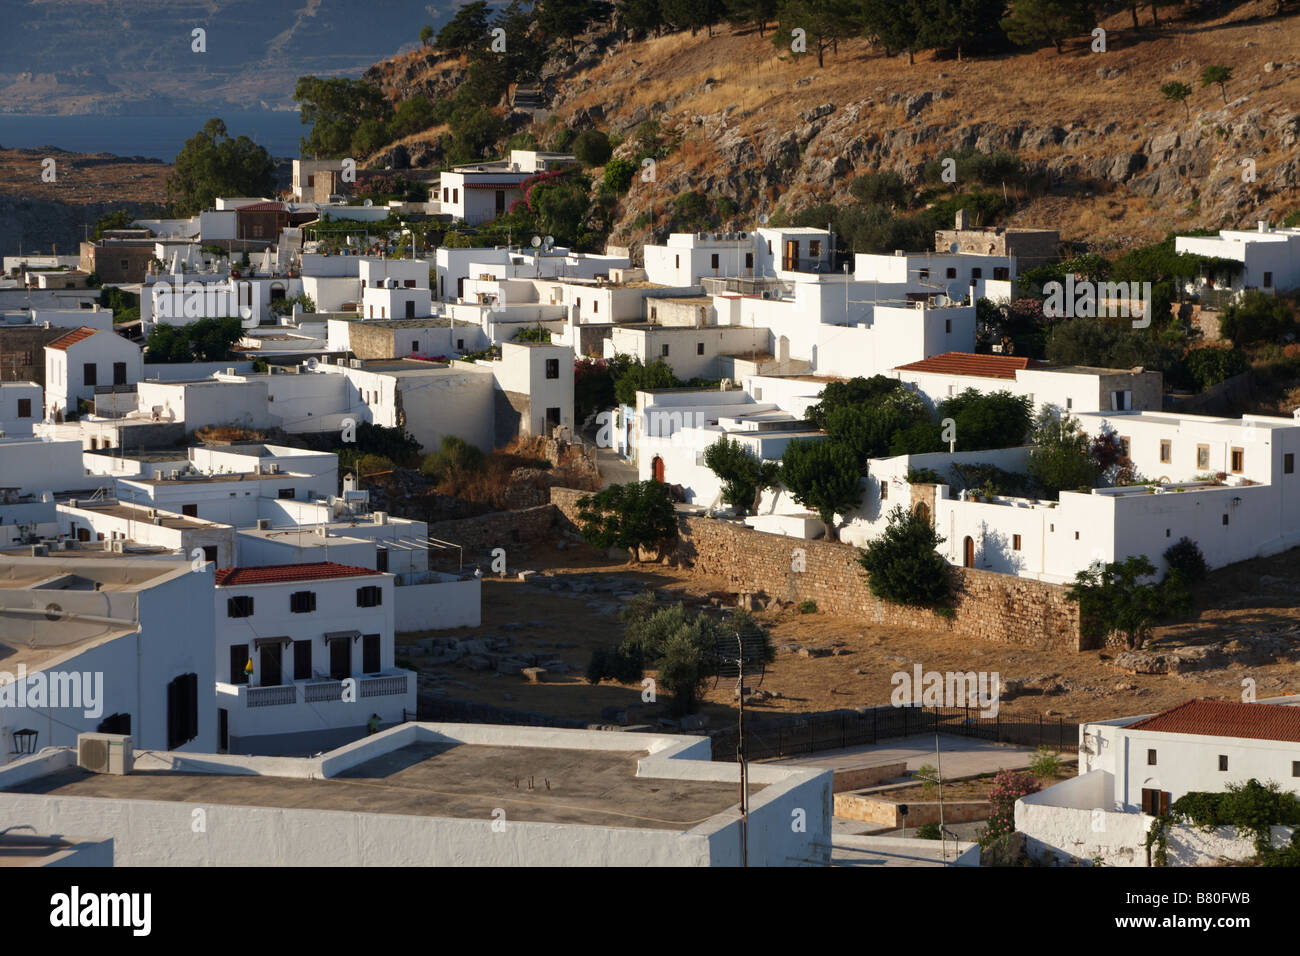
{"x": 268, "y": 206}
{"x": 72, "y": 338}
{"x": 968, "y": 363}
{"x": 284, "y": 573}
{"x": 1222, "y": 718}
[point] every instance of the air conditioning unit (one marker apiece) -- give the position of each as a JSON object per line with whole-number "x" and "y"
{"x": 67, "y": 544}
{"x": 381, "y": 517}
{"x": 356, "y": 363}
{"x": 119, "y": 546}
{"x": 40, "y": 551}
{"x": 272, "y": 469}
{"x": 743, "y": 235}
{"x": 105, "y": 753}
{"x": 702, "y": 235}
{"x": 158, "y": 521}
{"x": 263, "y": 524}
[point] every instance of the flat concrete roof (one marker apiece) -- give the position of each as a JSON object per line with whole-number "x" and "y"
{"x": 465, "y": 781}
{"x": 203, "y": 479}
{"x": 141, "y": 513}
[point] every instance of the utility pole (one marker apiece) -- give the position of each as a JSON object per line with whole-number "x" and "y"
{"x": 740, "y": 758}
{"x": 938, "y": 772}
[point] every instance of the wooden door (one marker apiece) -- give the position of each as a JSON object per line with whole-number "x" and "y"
{"x": 658, "y": 466}
{"x": 969, "y": 557}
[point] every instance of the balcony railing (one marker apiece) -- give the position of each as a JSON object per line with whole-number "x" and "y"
{"x": 384, "y": 686}
{"x": 319, "y": 691}
{"x": 272, "y": 696}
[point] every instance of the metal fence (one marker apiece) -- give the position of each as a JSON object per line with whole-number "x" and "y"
{"x": 810, "y": 733}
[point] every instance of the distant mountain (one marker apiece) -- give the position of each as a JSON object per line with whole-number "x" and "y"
{"x": 135, "y": 56}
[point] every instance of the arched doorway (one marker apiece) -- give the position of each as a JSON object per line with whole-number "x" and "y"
{"x": 658, "y": 466}
{"x": 969, "y": 556}
{"x": 923, "y": 511}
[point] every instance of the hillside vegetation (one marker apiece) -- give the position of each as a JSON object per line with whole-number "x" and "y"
{"x": 738, "y": 126}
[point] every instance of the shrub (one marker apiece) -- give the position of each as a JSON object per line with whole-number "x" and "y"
{"x": 1258, "y": 317}
{"x": 638, "y": 515}
{"x": 1008, "y": 787}
{"x": 1210, "y": 366}
{"x": 618, "y": 174}
{"x": 807, "y": 607}
{"x": 1185, "y": 559}
{"x": 928, "y": 831}
{"x": 453, "y": 454}
{"x": 592, "y": 148}
{"x": 924, "y": 476}
{"x": 928, "y": 775}
{"x": 903, "y": 564}
{"x": 1046, "y": 764}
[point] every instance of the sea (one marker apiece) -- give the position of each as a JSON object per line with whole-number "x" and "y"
{"x": 153, "y": 137}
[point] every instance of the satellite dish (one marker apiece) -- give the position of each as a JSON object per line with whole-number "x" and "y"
{"x": 368, "y": 203}
{"x": 549, "y": 241}
{"x": 942, "y": 301}
{"x": 762, "y": 219}
{"x": 957, "y": 292}
{"x": 537, "y": 241}
{"x": 954, "y": 248}
{"x": 312, "y": 363}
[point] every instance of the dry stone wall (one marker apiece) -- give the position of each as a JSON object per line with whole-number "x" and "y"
{"x": 989, "y": 606}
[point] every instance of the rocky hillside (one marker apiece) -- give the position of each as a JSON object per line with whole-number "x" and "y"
{"x": 773, "y": 132}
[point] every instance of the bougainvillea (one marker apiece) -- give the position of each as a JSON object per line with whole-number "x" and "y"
{"x": 1008, "y": 787}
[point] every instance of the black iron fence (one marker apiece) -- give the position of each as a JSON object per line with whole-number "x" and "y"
{"x": 834, "y": 730}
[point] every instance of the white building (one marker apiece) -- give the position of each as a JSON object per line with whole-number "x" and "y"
{"x": 20, "y": 406}
{"x": 83, "y": 359}
{"x": 1071, "y": 389}
{"x": 92, "y": 643}
{"x": 448, "y": 799}
{"x": 395, "y": 289}
{"x": 1134, "y": 768}
{"x": 480, "y": 192}
{"x": 320, "y": 640}
{"x": 1270, "y": 257}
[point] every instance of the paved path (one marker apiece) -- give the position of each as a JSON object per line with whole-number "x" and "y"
{"x": 891, "y": 851}
{"x": 960, "y": 756}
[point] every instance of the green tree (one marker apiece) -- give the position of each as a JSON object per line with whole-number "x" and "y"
{"x": 743, "y": 475}
{"x": 167, "y": 343}
{"x": 1113, "y": 599}
{"x": 856, "y": 392}
{"x": 1060, "y": 460}
{"x": 824, "y": 22}
{"x": 1103, "y": 344}
{"x": 336, "y": 107}
{"x": 883, "y": 189}
{"x": 563, "y": 19}
{"x": 868, "y": 430}
{"x": 285, "y": 306}
{"x": 892, "y": 24}
{"x": 592, "y": 148}
{"x": 426, "y": 34}
{"x": 639, "y": 377}
{"x": 211, "y": 339}
{"x": 466, "y": 30}
{"x": 1256, "y": 317}
{"x": 619, "y": 174}
{"x": 903, "y": 565}
{"x": 475, "y": 129}
{"x": 1177, "y": 92}
{"x": 823, "y": 476}
{"x": 411, "y": 116}
{"x": 693, "y": 15}
{"x": 641, "y": 16}
{"x": 1218, "y": 75}
{"x": 996, "y": 420}
{"x": 957, "y": 24}
{"x": 638, "y": 516}
{"x": 453, "y": 454}
{"x": 211, "y": 164}
{"x": 756, "y": 12}
{"x": 117, "y": 219}
{"x": 1034, "y": 22}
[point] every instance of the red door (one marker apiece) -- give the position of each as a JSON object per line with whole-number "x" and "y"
{"x": 658, "y": 465}
{"x": 970, "y": 552}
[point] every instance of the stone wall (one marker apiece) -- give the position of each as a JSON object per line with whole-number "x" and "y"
{"x": 989, "y": 606}
{"x": 500, "y": 529}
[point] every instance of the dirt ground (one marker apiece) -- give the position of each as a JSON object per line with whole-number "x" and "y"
{"x": 1261, "y": 596}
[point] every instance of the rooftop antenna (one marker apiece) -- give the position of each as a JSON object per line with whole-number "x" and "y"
{"x": 741, "y": 656}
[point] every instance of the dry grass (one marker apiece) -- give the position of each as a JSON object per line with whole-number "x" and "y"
{"x": 1091, "y": 687}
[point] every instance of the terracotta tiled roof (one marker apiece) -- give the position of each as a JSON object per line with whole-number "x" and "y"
{"x": 72, "y": 338}
{"x": 268, "y": 206}
{"x": 283, "y": 573}
{"x": 968, "y": 363}
{"x": 1221, "y": 718}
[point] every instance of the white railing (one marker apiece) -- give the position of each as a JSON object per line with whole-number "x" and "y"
{"x": 272, "y": 696}
{"x": 384, "y": 686}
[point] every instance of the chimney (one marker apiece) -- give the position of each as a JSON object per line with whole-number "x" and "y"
{"x": 962, "y": 219}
